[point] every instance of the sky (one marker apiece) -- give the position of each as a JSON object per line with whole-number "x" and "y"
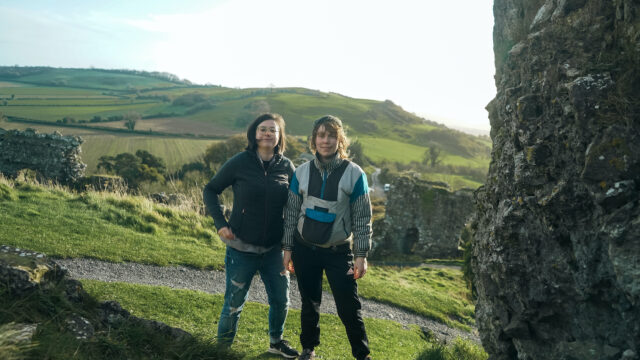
{"x": 433, "y": 58}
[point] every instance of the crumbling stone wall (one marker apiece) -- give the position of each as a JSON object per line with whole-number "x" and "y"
{"x": 422, "y": 218}
{"x": 556, "y": 252}
{"x": 52, "y": 156}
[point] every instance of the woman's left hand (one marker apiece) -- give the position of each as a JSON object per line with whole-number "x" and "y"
{"x": 359, "y": 267}
{"x": 287, "y": 264}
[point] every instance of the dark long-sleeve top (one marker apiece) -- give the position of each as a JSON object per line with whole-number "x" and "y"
{"x": 259, "y": 195}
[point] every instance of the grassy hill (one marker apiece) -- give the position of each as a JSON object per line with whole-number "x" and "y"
{"x": 92, "y": 96}
{"x": 90, "y": 78}
{"x": 117, "y": 227}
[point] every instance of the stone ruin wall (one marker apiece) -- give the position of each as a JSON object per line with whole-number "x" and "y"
{"x": 556, "y": 252}
{"x": 422, "y": 218}
{"x": 52, "y": 156}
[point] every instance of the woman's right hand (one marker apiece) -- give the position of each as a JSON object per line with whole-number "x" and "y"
{"x": 287, "y": 264}
{"x": 226, "y": 233}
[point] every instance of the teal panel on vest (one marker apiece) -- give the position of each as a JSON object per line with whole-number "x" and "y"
{"x": 320, "y": 216}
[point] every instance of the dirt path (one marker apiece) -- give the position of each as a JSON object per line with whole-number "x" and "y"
{"x": 213, "y": 282}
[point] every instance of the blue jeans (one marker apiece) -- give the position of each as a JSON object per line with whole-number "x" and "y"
{"x": 240, "y": 268}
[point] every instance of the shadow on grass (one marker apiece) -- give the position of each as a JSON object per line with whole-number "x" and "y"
{"x": 57, "y": 336}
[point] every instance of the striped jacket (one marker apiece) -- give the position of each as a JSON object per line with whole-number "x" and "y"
{"x": 329, "y": 205}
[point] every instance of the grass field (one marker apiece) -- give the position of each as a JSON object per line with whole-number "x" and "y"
{"x": 118, "y": 228}
{"x": 379, "y": 149}
{"x": 10, "y": 84}
{"x": 88, "y": 78}
{"x": 106, "y": 226}
{"x": 53, "y": 113}
{"x": 10, "y": 125}
{"x": 34, "y": 90}
{"x": 72, "y": 101}
{"x": 174, "y": 151}
{"x": 198, "y": 313}
{"x": 433, "y": 293}
{"x": 386, "y": 149}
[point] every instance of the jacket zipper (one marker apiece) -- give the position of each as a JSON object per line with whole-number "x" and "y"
{"x": 264, "y": 228}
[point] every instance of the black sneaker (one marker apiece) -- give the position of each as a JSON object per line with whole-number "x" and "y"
{"x": 307, "y": 354}
{"x": 283, "y": 349}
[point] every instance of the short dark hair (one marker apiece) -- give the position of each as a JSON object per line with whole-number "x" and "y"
{"x": 251, "y": 132}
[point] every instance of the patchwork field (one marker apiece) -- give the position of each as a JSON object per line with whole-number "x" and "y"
{"x": 175, "y": 125}
{"x": 90, "y": 96}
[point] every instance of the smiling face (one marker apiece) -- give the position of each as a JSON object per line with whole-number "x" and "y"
{"x": 326, "y": 143}
{"x": 267, "y": 134}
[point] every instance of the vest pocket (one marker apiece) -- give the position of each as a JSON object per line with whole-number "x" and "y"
{"x": 317, "y": 226}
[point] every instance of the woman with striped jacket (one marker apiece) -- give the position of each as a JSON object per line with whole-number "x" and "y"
{"x": 328, "y": 228}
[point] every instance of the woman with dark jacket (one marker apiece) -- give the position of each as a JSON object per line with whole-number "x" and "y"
{"x": 259, "y": 177}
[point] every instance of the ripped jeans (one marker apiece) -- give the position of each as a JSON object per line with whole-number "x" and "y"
{"x": 240, "y": 267}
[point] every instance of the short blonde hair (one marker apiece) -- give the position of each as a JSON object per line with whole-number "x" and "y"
{"x": 333, "y": 125}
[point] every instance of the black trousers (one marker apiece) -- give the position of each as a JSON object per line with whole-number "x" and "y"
{"x": 309, "y": 263}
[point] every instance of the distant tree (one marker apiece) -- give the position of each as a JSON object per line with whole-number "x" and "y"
{"x": 134, "y": 168}
{"x": 131, "y": 119}
{"x": 196, "y": 166}
{"x": 356, "y": 151}
{"x": 219, "y": 152}
{"x": 152, "y": 161}
{"x": 96, "y": 118}
{"x": 294, "y": 147}
{"x": 4, "y": 102}
{"x": 190, "y": 99}
{"x": 115, "y": 117}
{"x": 13, "y": 96}
{"x": 432, "y": 156}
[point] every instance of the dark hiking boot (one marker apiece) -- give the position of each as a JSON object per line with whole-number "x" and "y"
{"x": 283, "y": 349}
{"x": 307, "y": 354}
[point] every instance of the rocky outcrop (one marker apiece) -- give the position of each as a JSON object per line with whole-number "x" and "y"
{"x": 422, "y": 218}
{"x": 556, "y": 252}
{"x": 24, "y": 273}
{"x": 52, "y": 156}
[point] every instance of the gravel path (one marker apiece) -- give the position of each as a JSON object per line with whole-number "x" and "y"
{"x": 213, "y": 282}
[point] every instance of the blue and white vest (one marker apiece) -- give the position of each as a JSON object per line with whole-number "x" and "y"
{"x": 325, "y": 216}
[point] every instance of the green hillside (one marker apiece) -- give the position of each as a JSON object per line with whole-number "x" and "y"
{"x": 89, "y": 78}
{"x": 94, "y": 97}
